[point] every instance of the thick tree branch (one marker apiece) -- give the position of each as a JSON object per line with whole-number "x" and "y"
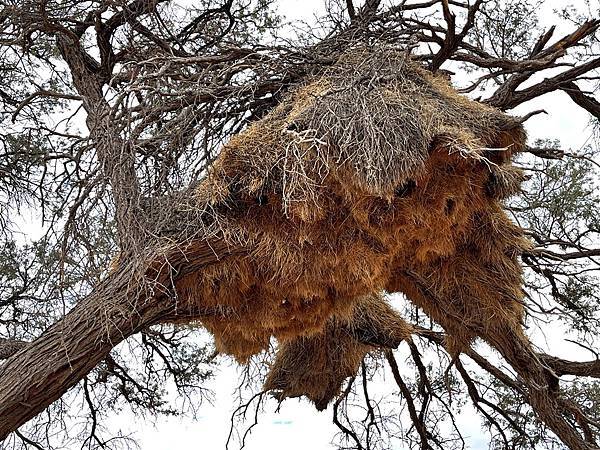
{"x": 130, "y": 299}
{"x": 419, "y": 425}
{"x": 577, "y": 368}
{"x": 117, "y": 158}
{"x": 590, "y": 104}
{"x": 452, "y": 40}
{"x": 545, "y": 253}
{"x": 515, "y": 98}
{"x": 507, "y": 96}
{"x": 350, "y": 9}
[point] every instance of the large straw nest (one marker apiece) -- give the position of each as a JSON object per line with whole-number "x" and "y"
{"x": 374, "y": 176}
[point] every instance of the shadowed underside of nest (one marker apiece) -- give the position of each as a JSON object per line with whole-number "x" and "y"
{"x": 376, "y": 176}
{"x": 316, "y": 365}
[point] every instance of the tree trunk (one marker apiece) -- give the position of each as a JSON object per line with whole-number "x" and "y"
{"x": 119, "y": 307}
{"x": 42, "y": 372}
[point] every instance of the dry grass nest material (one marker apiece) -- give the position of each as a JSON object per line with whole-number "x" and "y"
{"x": 374, "y": 176}
{"x": 373, "y": 119}
{"x": 316, "y": 366}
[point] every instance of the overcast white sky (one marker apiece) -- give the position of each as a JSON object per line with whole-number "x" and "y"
{"x": 298, "y": 425}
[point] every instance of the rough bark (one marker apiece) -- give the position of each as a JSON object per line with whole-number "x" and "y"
{"x": 32, "y": 379}
{"x": 9, "y": 347}
{"x": 119, "y": 307}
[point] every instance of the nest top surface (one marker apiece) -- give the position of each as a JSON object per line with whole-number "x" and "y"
{"x": 371, "y": 120}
